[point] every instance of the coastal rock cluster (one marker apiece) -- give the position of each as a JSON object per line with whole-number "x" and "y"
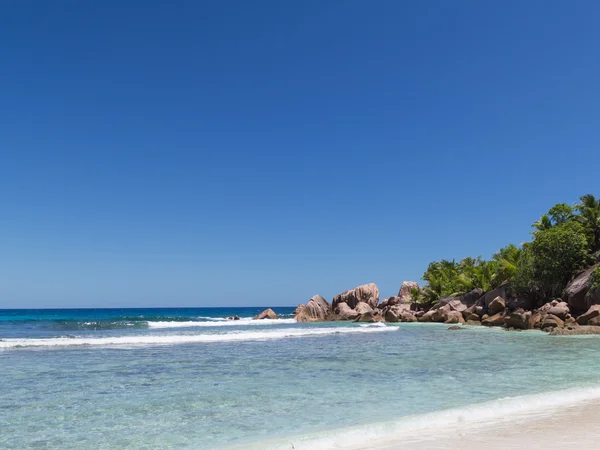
{"x": 578, "y": 313}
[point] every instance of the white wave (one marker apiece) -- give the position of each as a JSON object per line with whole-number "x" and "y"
{"x": 387, "y": 435}
{"x": 374, "y": 325}
{"x": 226, "y": 323}
{"x": 186, "y": 339}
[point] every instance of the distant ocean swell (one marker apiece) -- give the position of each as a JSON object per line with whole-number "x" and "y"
{"x": 231, "y": 336}
{"x": 125, "y": 323}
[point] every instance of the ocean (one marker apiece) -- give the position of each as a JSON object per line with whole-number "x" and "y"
{"x": 191, "y": 378}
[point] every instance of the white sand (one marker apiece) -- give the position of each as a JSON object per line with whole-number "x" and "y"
{"x": 573, "y": 427}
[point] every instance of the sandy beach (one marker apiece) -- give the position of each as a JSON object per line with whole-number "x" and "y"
{"x": 573, "y": 427}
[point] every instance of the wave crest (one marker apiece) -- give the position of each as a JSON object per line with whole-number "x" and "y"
{"x": 185, "y": 339}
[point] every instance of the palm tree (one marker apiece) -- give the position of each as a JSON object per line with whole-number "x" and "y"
{"x": 589, "y": 217}
{"x": 508, "y": 262}
{"x": 543, "y": 224}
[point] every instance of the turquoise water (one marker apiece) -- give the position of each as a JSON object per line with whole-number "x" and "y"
{"x": 188, "y": 378}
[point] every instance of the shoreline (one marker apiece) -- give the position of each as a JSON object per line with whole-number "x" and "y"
{"x": 560, "y": 419}
{"x": 573, "y": 427}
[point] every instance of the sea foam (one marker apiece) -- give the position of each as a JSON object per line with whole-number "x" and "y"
{"x": 221, "y": 323}
{"x": 186, "y": 339}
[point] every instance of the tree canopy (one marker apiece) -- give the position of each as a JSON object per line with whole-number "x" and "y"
{"x": 565, "y": 239}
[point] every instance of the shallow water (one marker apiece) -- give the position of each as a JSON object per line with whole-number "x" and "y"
{"x": 188, "y": 379}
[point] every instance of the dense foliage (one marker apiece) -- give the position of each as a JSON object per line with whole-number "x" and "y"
{"x": 564, "y": 241}
{"x": 595, "y": 279}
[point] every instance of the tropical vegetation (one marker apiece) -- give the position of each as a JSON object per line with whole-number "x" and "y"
{"x": 565, "y": 240}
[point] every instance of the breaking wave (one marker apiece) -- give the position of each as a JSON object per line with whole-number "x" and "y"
{"x": 185, "y": 339}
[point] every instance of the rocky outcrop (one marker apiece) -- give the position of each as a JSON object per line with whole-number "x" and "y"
{"x": 363, "y": 308}
{"x": 501, "y": 291}
{"x": 390, "y": 315}
{"x": 495, "y": 320}
{"x": 317, "y": 309}
{"x": 514, "y": 303}
{"x": 518, "y": 319}
{"x": 454, "y": 317}
{"x": 557, "y": 308}
{"x": 591, "y": 313}
{"x": 369, "y": 317}
{"x": 391, "y": 301}
{"x": 426, "y": 317}
{"x": 535, "y": 320}
{"x": 405, "y": 292}
{"x": 267, "y": 314}
{"x": 594, "y": 321}
{"x": 577, "y": 291}
{"x": 497, "y": 305}
{"x": 551, "y": 321}
{"x": 344, "y": 312}
{"x": 470, "y": 298}
{"x": 367, "y": 293}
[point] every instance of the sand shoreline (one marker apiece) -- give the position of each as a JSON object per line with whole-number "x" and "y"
{"x": 571, "y": 427}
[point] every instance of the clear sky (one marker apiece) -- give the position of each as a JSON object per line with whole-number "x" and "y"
{"x": 214, "y": 153}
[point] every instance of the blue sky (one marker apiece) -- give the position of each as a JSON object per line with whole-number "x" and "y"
{"x": 257, "y": 153}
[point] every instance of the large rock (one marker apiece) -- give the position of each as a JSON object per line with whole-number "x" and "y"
{"x": 470, "y": 298}
{"x": 363, "y": 308}
{"x": 428, "y": 316}
{"x": 557, "y": 308}
{"x": 451, "y": 304}
{"x": 497, "y": 305}
{"x": 344, "y": 312}
{"x": 454, "y": 317}
{"x": 369, "y": 317}
{"x": 391, "y": 301}
{"x": 560, "y": 310}
{"x": 473, "y": 322}
{"x": 577, "y": 290}
{"x": 526, "y": 303}
{"x": 535, "y": 320}
{"x": 367, "y": 293}
{"x": 495, "y": 320}
{"x": 473, "y": 310}
{"x": 408, "y": 317}
{"x": 440, "y": 312}
{"x": 405, "y": 292}
{"x": 501, "y": 291}
{"x": 593, "y": 297}
{"x": 267, "y": 314}
{"x": 518, "y": 319}
{"x": 591, "y": 313}
{"x": 391, "y": 316}
{"x": 317, "y": 309}
{"x": 551, "y": 321}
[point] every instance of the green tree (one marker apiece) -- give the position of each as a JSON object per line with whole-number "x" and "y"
{"x": 560, "y": 214}
{"x": 543, "y": 224}
{"x": 551, "y": 259}
{"x": 589, "y": 217}
{"x": 508, "y": 263}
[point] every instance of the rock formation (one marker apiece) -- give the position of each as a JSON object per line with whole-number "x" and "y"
{"x": 317, "y": 309}
{"x": 367, "y": 293}
{"x": 267, "y": 314}
{"x": 577, "y": 291}
{"x": 405, "y": 292}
